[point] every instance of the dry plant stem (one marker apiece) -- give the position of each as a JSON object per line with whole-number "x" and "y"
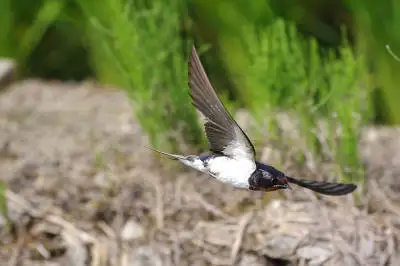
{"x": 14, "y": 261}
{"x": 239, "y": 237}
{"x": 159, "y": 210}
{"x": 209, "y": 207}
{"x": 392, "y": 53}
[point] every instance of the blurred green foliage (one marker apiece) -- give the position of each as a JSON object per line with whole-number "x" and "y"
{"x": 45, "y": 37}
{"x": 314, "y": 59}
{"x": 288, "y": 72}
{"x": 136, "y": 45}
{"x": 378, "y": 24}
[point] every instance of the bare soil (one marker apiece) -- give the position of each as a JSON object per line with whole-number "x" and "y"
{"x": 82, "y": 189}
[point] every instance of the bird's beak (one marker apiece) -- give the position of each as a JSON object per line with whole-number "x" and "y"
{"x": 285, "y": 186}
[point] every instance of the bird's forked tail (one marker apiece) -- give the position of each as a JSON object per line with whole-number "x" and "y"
{"x": 169, "y": 155}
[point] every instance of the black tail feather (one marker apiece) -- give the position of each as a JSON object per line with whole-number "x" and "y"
{"x": 327, "y": 188}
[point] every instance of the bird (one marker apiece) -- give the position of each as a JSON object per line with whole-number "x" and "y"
{"x": 232, "y": 158}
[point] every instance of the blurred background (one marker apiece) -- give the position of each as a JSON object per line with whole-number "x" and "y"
{"x": 304, "y": 78}
{"x": 315, "y": 60}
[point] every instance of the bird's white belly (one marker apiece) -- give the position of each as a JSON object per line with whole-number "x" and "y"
{"x": 232, "y": 171}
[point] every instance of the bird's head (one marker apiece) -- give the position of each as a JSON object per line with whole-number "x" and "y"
{"x": 266, "y": 181}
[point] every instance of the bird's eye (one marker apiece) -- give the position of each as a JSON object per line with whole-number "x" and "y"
{"x": 274, "y": 181}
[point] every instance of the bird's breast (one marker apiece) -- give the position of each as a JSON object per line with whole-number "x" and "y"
{"x": 233, "y": 171}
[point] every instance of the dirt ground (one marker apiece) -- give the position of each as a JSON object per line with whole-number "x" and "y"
{"x": 84, "y": 190}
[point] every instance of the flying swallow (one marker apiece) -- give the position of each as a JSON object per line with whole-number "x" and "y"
{"x": 232, "y": 159}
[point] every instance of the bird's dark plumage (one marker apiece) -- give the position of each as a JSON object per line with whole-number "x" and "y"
{"x": 327, "y": 188}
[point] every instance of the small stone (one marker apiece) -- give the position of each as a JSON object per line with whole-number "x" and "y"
{"x": 366, "y": 246}
{"x": 100, "y": 179}
{"x": 252, "y": 260}
{"x": 76, "y": 253}
{"x": 132, "y": 230}
{"x": 145, "y": 256}
{"x": 281, "y": 246}
{"x": 314, "y": 253}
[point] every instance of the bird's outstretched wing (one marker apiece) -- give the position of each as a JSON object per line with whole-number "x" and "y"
{"x": 327, "y": 188}
{"x": 223, "y": 133}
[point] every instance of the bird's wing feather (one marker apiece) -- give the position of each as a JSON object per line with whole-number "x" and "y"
{"x": 223, "y": 133}
{"x": 327, "y": 188}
